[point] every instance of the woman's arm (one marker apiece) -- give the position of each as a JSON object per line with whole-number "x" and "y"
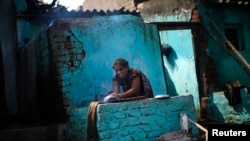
{"x": 135, "y": 88}
{"x": 116, "y": 87}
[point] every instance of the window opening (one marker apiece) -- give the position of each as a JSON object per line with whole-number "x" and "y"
{"x": 233, "y": 33}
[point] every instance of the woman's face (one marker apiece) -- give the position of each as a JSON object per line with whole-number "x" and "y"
{"x": 121, "y": 71}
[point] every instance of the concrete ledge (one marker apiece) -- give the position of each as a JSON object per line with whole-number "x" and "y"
{"x": 144, "y": 119}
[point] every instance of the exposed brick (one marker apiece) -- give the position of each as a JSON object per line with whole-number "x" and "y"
{"x": 120, "y": 115}
{"x": 138, "y": 123}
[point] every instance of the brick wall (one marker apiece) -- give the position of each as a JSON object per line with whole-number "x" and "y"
{"x": 59, "y": 55}
{"x": 144, "y": 119}
{"x": 66, "y": 80}
{"x": 69, "y": 63}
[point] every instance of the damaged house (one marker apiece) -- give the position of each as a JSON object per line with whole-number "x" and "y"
{"x": 55, "y": 62}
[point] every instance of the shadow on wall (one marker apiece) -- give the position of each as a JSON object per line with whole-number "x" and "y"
{"x": 220, "y": 109}
{"x": 213, "y": 109}
{"x": 170, "y": 54}
{"x": 239, "y": 101}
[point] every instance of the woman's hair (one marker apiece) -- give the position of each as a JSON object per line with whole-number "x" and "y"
{"x": 120, "y": 61}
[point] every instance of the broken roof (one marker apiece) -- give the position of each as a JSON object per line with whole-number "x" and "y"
{"x": 228, "y": 2}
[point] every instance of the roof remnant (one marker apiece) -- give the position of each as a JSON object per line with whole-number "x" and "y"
{"x": 228, "y": 2}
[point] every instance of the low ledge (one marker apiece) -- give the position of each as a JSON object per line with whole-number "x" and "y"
{"x": 144, "y": 119}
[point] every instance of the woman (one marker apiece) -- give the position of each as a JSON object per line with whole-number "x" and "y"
{"x": 132, "y": 81}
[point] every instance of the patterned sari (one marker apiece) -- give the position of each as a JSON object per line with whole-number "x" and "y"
{"x": 126, "y": 83}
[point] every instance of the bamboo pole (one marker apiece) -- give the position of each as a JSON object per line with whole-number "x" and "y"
{"x": 231, "y": 45}
{"x": 200, "y": 127}
{"x": 230, "y": 53}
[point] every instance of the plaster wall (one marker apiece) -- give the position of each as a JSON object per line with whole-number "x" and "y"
{"x": 226, "y": 67}
{"x": 179, "y": 64}
{"x": 72, "y": 60}
{"x": 74, "y": 65}
{"x": 106, "y": 38}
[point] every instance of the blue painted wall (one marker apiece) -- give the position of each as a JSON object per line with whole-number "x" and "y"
{"x": 227, "y": 68}
{"x": 83, "y": 79}
{"x": 180, "y": 64}
{"x": 145, "y": 119}
{"x": 106, "y": 38}
{"x": 75, "y": 56}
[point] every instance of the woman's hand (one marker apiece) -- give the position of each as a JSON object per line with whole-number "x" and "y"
{"x": 116, "y": 94}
